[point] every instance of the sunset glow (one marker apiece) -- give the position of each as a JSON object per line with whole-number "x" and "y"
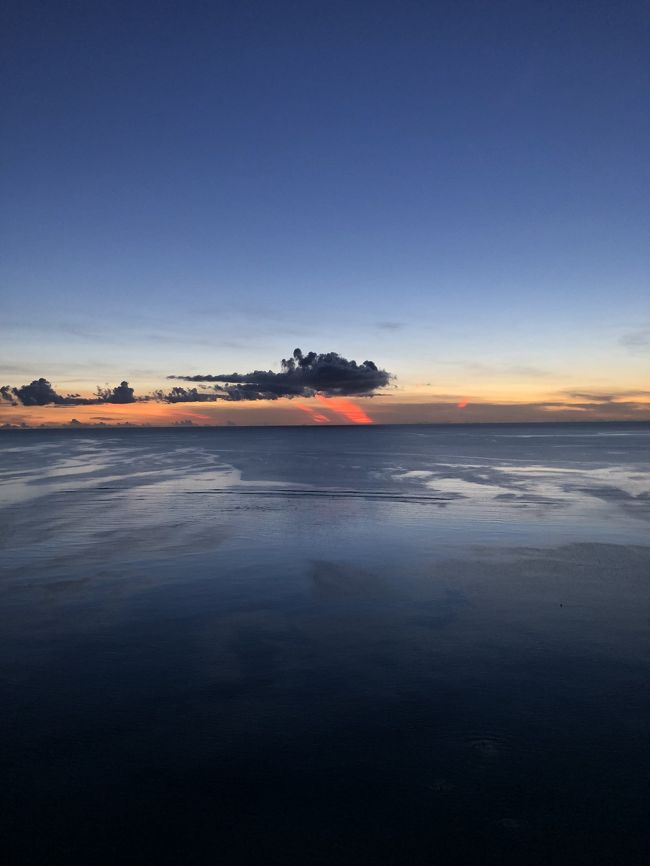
{"x": 236, "y": 629}
{"x": 315, "y": 416}
{"x": 346, "y": 408}
{"x": 225, "y": 289}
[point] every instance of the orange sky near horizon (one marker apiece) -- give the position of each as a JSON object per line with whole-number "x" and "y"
{"x": 389, "y": 408}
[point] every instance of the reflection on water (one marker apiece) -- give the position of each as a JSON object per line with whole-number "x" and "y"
{"x": 377, "y": 645}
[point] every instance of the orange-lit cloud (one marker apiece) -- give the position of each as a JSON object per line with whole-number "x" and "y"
{"x": 315, "y": 416}
{"x": 462, "y": 404}
{"x": 346, "y": 408}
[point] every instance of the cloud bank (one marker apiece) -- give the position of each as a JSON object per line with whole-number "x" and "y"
{"x": 41, "y": 393}
{"x": 329, "y": 375}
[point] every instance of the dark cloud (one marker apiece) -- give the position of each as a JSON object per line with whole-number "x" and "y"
{"x": 7, "y": 395}
{"x": 120, "y": 394}
{"x": 188, "y": 395}
{"x": 301, "y": 375}
{"x": 41, "y": 393}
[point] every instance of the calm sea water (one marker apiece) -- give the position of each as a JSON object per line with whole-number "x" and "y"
{"x": 378, "y": 645}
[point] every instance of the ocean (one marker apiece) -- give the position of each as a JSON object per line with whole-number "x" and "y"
{"x": 327, "y": 645}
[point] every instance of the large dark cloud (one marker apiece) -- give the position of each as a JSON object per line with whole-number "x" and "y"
{"x": 302, "y": 375}
{"x": 41, "y": 393}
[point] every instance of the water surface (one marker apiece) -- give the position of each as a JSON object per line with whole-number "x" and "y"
{"x": 390, "y": 645}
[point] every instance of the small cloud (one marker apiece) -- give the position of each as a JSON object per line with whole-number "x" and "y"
{"x": 120, "y": 394}
{"x": 389, "y": 326}
{"x": 636, "y": 341}
{"x": 187, "y": 395}
{"x": 7, "y": 395}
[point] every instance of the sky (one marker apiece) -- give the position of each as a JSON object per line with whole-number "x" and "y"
{"x": 455, "y": 191}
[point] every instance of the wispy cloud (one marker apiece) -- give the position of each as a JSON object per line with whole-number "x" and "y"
{"x": 637, "y": 341}
{"x": 390, "y": 326}
{"x": 607, "y": 397}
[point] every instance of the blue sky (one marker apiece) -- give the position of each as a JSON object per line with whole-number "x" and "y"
{"x": 458, "y": 190}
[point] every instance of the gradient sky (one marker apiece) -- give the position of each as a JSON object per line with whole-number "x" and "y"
{"x": 455, "y": 190}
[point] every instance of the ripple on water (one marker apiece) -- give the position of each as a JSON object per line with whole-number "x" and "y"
{"x": 488, "y": 747}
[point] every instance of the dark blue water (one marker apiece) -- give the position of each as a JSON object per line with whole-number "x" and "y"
{"x": 333, "y": 646}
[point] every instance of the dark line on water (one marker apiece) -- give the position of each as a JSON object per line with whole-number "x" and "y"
{"x": 326, "y": 494}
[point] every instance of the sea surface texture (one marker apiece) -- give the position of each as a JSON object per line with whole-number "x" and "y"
{"x": 381, "y": 645}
